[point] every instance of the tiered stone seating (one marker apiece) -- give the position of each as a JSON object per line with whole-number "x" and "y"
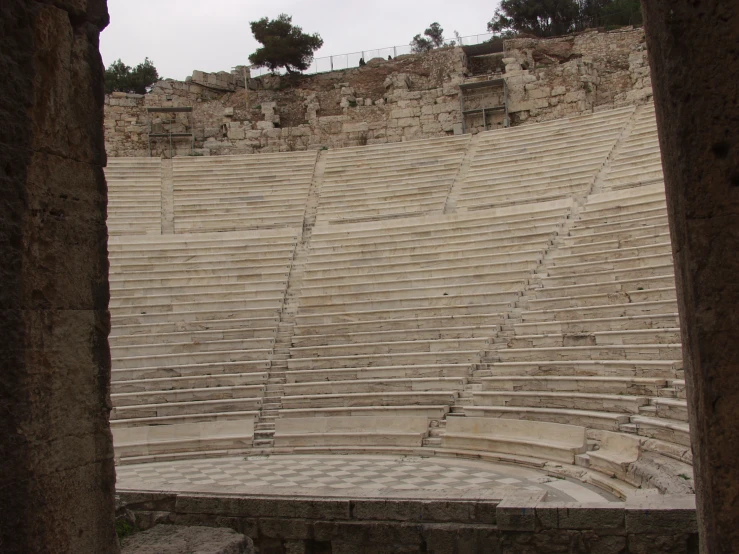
{"x": 598, "y": 343}
{"x": 549, "y": 441}
{"x": 346, "y": 433}
{"x": 537, "y": 324}
{"x": 231, "y": 193}
{"x": 393, "y": 315}
{"x": 134, "y": 195}
{"x": 536, "y": 163}
{"x": 156, "y": 441}
{"x": 388, "y": 180}
{"x": 194, "y": 319}
{"x": 639, "y": 161}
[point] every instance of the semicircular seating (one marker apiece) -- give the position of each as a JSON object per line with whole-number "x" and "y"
{"x": 508, "y": 296}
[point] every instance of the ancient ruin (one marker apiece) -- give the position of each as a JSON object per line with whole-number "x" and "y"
{"x": 408, "y": 98}
{"x": 328, "y": 341}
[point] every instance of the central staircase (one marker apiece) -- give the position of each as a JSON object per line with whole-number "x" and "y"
{"x": 264, "y": 427}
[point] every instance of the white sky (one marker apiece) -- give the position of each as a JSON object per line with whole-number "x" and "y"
{"x": 213, "y": 35}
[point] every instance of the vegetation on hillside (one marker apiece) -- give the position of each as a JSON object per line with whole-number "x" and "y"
{"x": 545, "y": 18}
{"x": 283, "y": 44}
{"x": 120, "y": 77}
{"x": 433, "y": 37}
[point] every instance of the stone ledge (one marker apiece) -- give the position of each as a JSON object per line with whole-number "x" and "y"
{"x": 177, "y": 539}
{"x": 403, "y": 519}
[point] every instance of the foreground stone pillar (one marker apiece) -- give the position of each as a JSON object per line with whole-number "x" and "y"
{"x": 56, "y": 461}
{"x": 694, "y": 53}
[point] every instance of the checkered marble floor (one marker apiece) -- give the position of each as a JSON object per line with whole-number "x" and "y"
{"x": 347, "y": 474}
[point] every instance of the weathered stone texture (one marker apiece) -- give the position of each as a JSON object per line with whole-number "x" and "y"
{"x": 519, "y": 524}
{"x": 415, "y": 96}
{"x": 56, "y": 459}
{"x": 553, "y": 78}
{"x": 176, "y": 539}
{"x": 695, "y": 66}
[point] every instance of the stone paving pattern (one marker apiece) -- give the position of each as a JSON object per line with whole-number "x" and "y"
{"x": 344, "y": 474}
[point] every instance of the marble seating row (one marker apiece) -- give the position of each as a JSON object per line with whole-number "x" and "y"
{"x": 138, "y": 444}
{"x": 638, "y": 162}
{"x": 549, "y": 441}
{"x": 382, "y": 181}
{"x": 521, "y": 165}
{"x": 229, "y": 193}
{"x": 321, "y": 433}
{"x": 194, "y": 320}
{"x": 598, "y": 344}
{"x": 391, "y": 302}
{"x": 134, "y": 195}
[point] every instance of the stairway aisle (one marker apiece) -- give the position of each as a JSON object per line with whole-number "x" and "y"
{"x": 506, "y": 331}
{"x": 450, "y": 205}
{"x": 264, "y": 428}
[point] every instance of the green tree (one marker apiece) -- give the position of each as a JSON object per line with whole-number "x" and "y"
{"x": 284, "y": 44}
{"x": 621, "y": 12}
{"x": 542, "y": 18}
{"x": 432, "y": 37}
{"x": 421, "y": 44}
{"x": 120, "y": 77}
{"x": 435, "y": 34}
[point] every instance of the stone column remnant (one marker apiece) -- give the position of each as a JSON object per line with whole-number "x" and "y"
{"x": 694, "y": 54}
{"x": 56, "y": 459}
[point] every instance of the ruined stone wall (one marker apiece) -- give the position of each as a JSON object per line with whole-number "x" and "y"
{"x": 56, "y": 451}
{"x": 553, "y": 78}
{"x": 411, "y": 97}
{"x": 519, "y": 523}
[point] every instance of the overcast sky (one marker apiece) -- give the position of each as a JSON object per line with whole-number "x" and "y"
{"x": 213, "y": 35}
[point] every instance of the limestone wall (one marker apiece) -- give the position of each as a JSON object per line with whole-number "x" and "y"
{"x": 56, "y": 452}
{"x": 410, "y": 97}
{"x": 518, "y": 523}
{"x": 552, "y": 78}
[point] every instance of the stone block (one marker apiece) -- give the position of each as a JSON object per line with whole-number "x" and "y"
{"x": 174, "y": 539}
{"x": 517, "y": 511}
{"x": 575, "y": 96}
{"x": 457, "y": 128}
{"x": 401, "y": 113}
{"x": 595, "y": 517}
{"x": 559, "y": 91}
{"x": 408, "y": 122}
{"x": 539, "y": 93}
{"x": 661, "y": 515}
{"x": 450, "y": 90}
{"x": 355, "y": 127}
{"x": 265, "y": 125}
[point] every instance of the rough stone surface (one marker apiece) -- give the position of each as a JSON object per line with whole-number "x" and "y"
{"x": 56, "y": 456}
{"x": 695, "y": 45}
{"x": 520, "y": 523}
{"x": 177, "y": 539}
{"x": 410, "y": 97}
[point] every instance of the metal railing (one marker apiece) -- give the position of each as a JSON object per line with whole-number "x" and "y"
{"x": 347, "y": 61}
